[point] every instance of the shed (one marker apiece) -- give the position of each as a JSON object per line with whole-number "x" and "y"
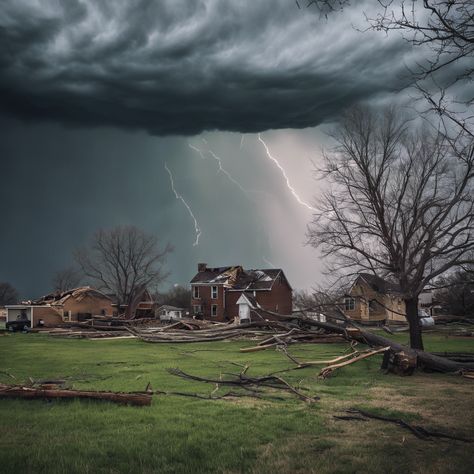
{"x": 168, "y": 312}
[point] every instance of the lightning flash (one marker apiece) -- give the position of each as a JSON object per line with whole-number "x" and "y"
{"x": 221, "y": 168}
{"x": 197, "y": 150}
{"x": 178, "y": 196}
{"x": 288, "y": 184}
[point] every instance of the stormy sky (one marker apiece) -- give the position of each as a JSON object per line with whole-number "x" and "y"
{"x": 96, "y": 97}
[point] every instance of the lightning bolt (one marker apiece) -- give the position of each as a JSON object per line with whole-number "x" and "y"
{"x": 222, "y": 169}
{"x": 288, "y": 184}
{"x": 197, "y": 150}
{"x": 229, "y": 176}
{"x": 178, "y": 196}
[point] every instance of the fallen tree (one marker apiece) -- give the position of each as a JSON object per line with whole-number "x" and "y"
{"x": 48, "y": 392}
{"x": 350, "y": 331}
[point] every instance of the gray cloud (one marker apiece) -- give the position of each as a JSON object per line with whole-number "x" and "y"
{"x": 181, "y": 67}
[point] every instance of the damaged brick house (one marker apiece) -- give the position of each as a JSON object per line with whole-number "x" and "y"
{"x": 217, "y": 293}
{"x": 372, "y": 298}
{"x": 72, "y": 305}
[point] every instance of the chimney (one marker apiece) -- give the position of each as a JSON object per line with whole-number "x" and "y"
{"x": 202, "y": 267}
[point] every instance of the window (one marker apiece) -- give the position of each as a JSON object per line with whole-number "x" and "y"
{"x": 196, "y": 292}
{"x": 197, "y": 309}
{"x": 349, "y": 304}
{"x": 214, "y": 292}
{"x": 213, "y": 310}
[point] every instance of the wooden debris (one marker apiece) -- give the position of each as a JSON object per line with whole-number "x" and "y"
{"x": 177, "y": 333}
{"x": 327, "y": 371}
{"x": 468, "y": 374}
{"x": 425, "y": 360}
{"x": 49, "y": 392}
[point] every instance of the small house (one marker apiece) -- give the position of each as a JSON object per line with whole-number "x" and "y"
{"x": 77, "y": 304}
{"x": 170, "y": 313}
{"x": 373, "y": 299}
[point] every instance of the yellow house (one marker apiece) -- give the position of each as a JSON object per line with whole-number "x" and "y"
{"x": 372, "y": 298}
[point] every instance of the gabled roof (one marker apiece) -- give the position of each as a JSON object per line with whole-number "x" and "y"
{"x": 248, "y": 299}
{"x": 378, "y": 284}
{"x": 239, "y": 279}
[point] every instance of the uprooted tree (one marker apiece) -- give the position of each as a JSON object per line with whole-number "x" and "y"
{"x": 400, "y": 204}
{"x": 125, "y": 261}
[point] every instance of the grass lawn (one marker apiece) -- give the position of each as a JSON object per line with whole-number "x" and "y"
{"x": 180, "y": 434}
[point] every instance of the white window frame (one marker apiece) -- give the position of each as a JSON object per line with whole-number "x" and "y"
{"x": 214, "y": 292}
{"x": 213, "y": 307}
{"x": 349, "y": 304}
{"x": 195, "y": 292}
{"x": 197, "y": 308}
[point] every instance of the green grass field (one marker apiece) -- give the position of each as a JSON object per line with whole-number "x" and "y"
{"x": 180, "y": 434}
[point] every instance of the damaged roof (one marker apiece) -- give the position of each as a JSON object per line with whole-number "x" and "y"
{"x": 239, "y": 279}
{"x": 59, "y": 298}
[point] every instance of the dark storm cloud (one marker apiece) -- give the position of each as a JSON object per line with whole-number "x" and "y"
{"x": 180, "y": 67}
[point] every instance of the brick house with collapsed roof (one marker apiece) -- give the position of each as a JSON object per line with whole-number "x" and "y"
{"x": 77, "y": 304}
{"x": 372, "y": 298}
{"x": 215, "y": 292}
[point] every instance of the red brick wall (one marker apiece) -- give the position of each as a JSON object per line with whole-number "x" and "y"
{"x": 50, "y": 316}
{"x": 278, "y": 299}
{"x": 89, "y": 304}
{"x": 206, "y": 301}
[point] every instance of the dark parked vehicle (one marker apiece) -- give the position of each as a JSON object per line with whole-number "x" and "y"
{"x": 18, "y": 325}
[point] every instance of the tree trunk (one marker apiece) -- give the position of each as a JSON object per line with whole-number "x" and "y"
{"x": 20, "y": 391}
{"x": 411, "y": 307}
{"x": 425, "y": 359}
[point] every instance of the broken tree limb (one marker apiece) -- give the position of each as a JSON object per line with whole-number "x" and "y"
{"x": 248, "y": 383}
{"x": 418, "y": 431}
{"x": 425, "y": 359}
{"x": 20, "y": 391}
{"x": 327, "y": 371}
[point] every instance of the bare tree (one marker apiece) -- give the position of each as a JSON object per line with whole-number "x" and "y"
{"x": 446, "y": 26}
{"x": 455, "y": 292}
{"x": 125, "y": 261}
{"x": 400, "y": 205}
{"x": 445, "y": 31}
{"x": 66, "y": 279}
{"x": 8, "y": 294}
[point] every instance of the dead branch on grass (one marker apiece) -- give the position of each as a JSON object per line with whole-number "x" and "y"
{"x": 247, "y": 382}
{"x": 419, "y": 431}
